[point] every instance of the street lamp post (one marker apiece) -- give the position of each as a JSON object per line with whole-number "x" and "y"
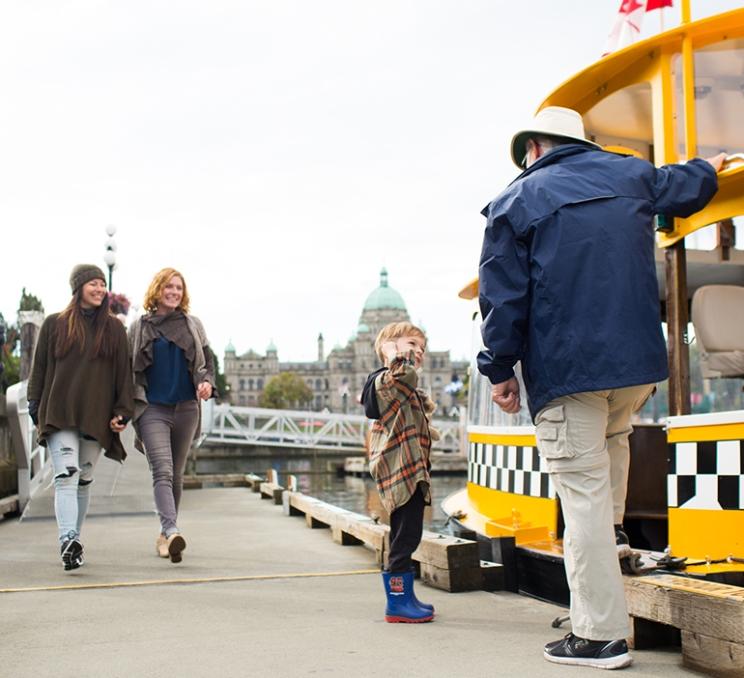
{"x": 110, "y": 255}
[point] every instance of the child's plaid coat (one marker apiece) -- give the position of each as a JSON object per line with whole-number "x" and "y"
{"x": 400, "y": 440}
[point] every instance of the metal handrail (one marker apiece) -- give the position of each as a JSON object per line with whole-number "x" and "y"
{"x": 299, "y": 428}
{"x": 31, "y": 458}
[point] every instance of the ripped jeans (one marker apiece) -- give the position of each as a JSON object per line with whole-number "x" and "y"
{"x": 73, "y": 461}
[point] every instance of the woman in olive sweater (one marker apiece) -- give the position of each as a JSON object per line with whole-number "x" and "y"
{"x": 80, "y": 395}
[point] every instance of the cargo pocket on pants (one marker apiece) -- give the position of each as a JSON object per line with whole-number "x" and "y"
{"x": 550, "y": 425}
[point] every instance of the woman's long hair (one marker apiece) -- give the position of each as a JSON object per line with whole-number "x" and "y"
{"x": 71, "y": 328}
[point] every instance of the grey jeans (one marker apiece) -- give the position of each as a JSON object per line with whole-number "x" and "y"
{"x": 167, "y": 432}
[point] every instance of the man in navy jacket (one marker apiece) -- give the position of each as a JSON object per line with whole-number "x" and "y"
{"x": 568, "y": 288}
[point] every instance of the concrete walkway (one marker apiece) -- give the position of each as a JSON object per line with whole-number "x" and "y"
{"x": 298, "y": 605}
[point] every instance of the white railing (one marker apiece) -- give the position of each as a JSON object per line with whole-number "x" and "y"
{"x": 291, "y": 428}
{"x": 32, "y": 459}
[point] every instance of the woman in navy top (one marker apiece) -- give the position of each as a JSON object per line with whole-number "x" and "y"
{"x": 173, "y": 368}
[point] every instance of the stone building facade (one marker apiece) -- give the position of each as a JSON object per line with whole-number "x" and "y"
{"x": 336, "y": 379}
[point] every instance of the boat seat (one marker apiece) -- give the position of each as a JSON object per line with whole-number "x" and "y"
{"x": 718, "y": 318}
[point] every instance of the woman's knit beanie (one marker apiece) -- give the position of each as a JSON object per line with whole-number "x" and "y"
{"x": 83, "y": 273}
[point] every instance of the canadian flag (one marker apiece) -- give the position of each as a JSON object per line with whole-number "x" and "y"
{"x": 627, "y": 26}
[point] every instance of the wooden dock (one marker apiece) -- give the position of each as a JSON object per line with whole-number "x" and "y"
{"x": 445, "y": 562}
{"x": 257, "y": 583}
{"x": 704, "y": 617}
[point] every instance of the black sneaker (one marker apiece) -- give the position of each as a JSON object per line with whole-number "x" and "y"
{"x": 72, "y": 554}
{"x": 601, "y": 654}
{"x": 622, "y": 542}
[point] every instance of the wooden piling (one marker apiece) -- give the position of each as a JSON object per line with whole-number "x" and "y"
{"x": 445, "y": 562}
{"x": 254, "y": 481}
{"x": 709, "y": 616}
{"x": 271, "y": 489}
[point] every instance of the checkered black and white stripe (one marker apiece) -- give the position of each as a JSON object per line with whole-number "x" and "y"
{"x": 706, "y": 475}
{"x": 509, "y": 468}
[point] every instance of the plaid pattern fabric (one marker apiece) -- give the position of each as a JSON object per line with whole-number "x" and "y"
{"x": 400, "y": 440}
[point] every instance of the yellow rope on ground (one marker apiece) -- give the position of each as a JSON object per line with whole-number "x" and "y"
{"x": 203, "y": 580}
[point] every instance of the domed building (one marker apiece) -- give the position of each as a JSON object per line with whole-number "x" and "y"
{"x": 383, "y": 305}
{"x": 336, "y": 380}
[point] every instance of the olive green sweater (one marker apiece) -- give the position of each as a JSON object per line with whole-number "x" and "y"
{"x": 78, "y": 391}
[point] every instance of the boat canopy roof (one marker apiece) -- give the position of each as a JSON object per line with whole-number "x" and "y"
{"x": 704, "y": 267}
{"x": 633, "y": 101}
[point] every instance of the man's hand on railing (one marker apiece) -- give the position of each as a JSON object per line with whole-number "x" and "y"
{"x": 716, "y": 162}
{"x": 733, "y": 160}
{"x": 722, "y": 161}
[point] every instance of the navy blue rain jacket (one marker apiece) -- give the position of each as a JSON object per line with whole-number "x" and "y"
{"x": 567, "y": 276}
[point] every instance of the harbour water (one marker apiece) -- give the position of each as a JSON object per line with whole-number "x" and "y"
{"x": 319, "y": 476}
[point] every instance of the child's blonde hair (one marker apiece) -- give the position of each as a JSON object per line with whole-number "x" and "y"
{"x": 394, "y": 331}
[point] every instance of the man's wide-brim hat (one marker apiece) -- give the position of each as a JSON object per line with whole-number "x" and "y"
{"x": 551, "y": 121}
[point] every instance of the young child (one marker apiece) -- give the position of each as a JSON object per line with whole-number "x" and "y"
{"x": 399, "y": 445}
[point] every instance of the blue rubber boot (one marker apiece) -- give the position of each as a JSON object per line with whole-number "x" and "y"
{"x": 424, "y": 606}
{"x": 400, "y": 605}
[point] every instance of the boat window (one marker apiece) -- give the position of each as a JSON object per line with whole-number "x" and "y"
{"x": 624, "y": 119}
{"x": 709, "y": 237}
{"x": 706, "y": 395}
{"x": 481, "y": 410}
{"x": 719, "y": 98}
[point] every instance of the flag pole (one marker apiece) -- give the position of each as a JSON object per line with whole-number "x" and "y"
{"x": 688, "y": 85}
{"x": 685, "y": 5}
{"x": 676, "y": 255}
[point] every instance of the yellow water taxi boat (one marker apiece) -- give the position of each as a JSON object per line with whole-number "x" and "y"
{"x": 671, "y": 97}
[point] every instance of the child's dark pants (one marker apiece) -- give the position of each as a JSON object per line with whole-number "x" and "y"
{"x": 406, "y": 527}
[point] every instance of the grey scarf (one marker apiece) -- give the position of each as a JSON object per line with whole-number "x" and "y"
{"x": 173, "y": 327}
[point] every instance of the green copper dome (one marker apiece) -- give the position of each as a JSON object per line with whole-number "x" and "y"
{"x": 230, "y": 348}
{"x": 384, "y": 296}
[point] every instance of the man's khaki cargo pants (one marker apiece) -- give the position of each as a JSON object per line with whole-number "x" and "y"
{"x": 583, "y": 437}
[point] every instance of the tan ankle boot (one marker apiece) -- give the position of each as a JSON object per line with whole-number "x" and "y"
{"x": 161, "y": 546}
{"x": 176, "y": 543}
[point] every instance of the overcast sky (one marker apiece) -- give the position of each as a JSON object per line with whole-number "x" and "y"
{"x": 277, "y": 152}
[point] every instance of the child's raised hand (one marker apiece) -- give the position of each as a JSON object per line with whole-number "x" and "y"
{"x": 411, "y": 347}
{"x": 389, "y": 350}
